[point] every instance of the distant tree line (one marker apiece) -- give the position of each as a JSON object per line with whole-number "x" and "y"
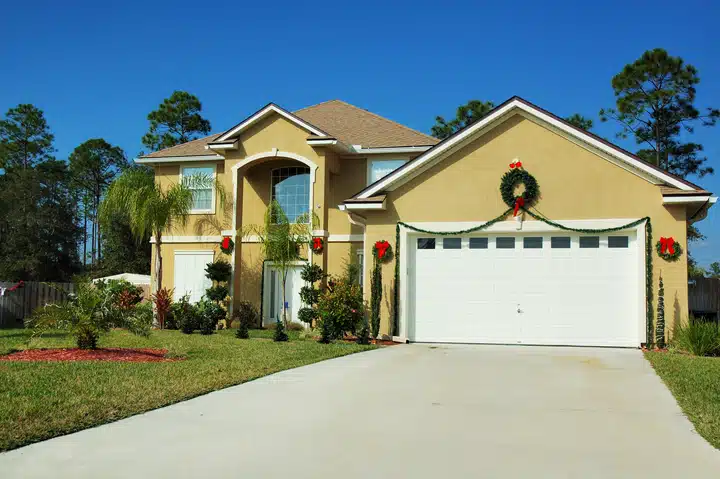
{"x": 50, "y": 226}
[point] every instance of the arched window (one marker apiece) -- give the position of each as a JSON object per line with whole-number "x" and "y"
{"x": 291, "y": 189}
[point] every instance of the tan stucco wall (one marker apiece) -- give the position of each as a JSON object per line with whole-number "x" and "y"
{"x": 574, "y": 184}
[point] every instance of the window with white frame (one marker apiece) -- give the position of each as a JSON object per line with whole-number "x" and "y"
{"x": 291, "y": 189}
{"x": 200, "y": 179}
{"x": 378, "y": 169}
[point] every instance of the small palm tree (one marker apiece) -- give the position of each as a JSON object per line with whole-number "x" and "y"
{"x": 152, "y": 209}
{"x": 281, "y": 241}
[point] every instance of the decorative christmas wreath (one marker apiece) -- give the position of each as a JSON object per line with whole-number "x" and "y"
{"x": 317, "y": 245}
{"x": 668, "y": 249}
{"x": 511, "y": 179}
{"x": 227, "y": 245}
{"x": 382, "y": 251}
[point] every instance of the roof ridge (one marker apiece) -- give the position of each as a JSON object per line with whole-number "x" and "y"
{"x": 316, "y": 104}
{"x": 386, "y": 119}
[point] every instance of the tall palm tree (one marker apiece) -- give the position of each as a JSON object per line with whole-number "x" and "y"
{"x": 150, "y": 208}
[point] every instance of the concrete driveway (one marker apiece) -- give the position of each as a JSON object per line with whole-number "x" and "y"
{"x": 405, "y": 411}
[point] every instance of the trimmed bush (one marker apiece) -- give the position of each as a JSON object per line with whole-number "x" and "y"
{"x": 341, "y": 308}
{"x": 219, "y": 271}
{"x": 311, "y": 273}
{"x": 306, "y": 315}
{"x": 217, "y": 293}
{"x": 699, "y": 338}
{"x": 246, "y": 312}
{"x": 185, "y": 315}
{"x": 280, "y": 335}
{"x": 309, "y": 295}
{"x": 209, "y": 314}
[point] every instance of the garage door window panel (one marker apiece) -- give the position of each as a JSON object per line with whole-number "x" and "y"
{"x": 618, "y": 242}
{"x": 589, "y": 242}
{"x": 426, "y": 243}
{"x": 504, "y": 242}
{"x": 478, "y": 243}
{"x": 452, "y": 243}
{"x": 533, "y": 242}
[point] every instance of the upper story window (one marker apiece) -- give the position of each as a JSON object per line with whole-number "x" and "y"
{"x": 200, "y": 179}
{"x": 291, "y": 189}
{"x": 378, "y": 169}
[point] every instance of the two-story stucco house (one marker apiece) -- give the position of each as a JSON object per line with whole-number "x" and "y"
{"x": 577, "y": 264}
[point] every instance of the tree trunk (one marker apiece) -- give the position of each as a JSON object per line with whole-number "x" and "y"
{"x": 158, "y": 263}
{"x": 284, "y": 302}
{"x": 85, "y": 235}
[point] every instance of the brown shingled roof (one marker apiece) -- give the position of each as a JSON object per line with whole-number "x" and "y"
{"x": 355, "y": 126}
{"x": 191, "y": 148}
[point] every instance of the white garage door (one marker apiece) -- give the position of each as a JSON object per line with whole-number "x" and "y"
{"x": 559, "y": 289}
{"x": 190, "y": 276}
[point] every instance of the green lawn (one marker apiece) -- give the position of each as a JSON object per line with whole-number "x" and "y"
{"x": 695, "y": 383}
{"x": 45, "y": 399}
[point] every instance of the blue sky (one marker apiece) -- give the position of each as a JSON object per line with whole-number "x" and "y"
{"x": 98, "y": 68}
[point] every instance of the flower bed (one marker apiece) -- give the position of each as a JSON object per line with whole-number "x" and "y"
{"x": 132, "y": 355}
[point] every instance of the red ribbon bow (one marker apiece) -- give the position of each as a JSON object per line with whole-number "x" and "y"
{"x": 519, "y": 203}
{"x": 517, "y": 164}
{"x": 317, "y": 243}
{"x": 225, "y": 242}
{"x": 381, "y": 247}
{"x": 20, "y": 284}
{"x": 667, "y": 245}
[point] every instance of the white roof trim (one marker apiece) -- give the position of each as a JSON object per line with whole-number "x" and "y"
{"x": 363, "y": 206}
{"x": 689, "y": 199}
{"x": 169, "y": 159}
{"x": 318, "y": 142}
{"x": 271, "y": 108}
{"x": 401, "y": 175}
{"x": 390, "y": 150}
{"x": 227, "y": 145}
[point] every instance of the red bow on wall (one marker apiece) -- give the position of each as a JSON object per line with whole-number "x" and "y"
{"x": 381, "y": 247}
{"x": 667, "y": 245}
{"x": 516, "y": 165}
{"x": 519, "y": 203}
{"x": 226, "y": 242}
{"x": 317, "y": 243}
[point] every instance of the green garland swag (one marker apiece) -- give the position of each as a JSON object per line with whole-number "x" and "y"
{"x": 513, "y": 178}
{"x": 648, "y": 256}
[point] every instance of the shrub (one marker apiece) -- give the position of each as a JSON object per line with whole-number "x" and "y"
{"x": 219, "y": 270}
{"x": 242, "y": 331}
{"x": 280, "y": 335}
{"x": 209, "y": 314}
{"x": 217, "y": 293}
{"x": 87, "y": 314}
{"x": 121, "y": 293}
{"x": 363, "y": 336}
{"x": 699, "y": 338}
{"x": 307, "y": 315}
{"x": 309, "y": 295}
{"x": 162, "y": 300}
{"x": 246, "y": 313}
{"x": 341, "y": 308}
{"x": 185, "y": 315}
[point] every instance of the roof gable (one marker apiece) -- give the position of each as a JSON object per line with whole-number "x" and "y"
{"x": 356, "y": 126}
{"x": 497, "y": 116}
{"x": 262, "y": 113}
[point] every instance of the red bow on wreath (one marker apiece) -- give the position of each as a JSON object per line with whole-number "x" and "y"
{"x": 317, "y": 245}
{"x": 225, "y": 242}
{"x": 517, "y": 164}
{"x": 519, "y": 203}
{"x": 667, "y": 245}
{"x": 381, "y": 247}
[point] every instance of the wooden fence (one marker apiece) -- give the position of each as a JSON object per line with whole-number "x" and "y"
{"x": 17, "y": 305}
{"x": 704, "y": 296}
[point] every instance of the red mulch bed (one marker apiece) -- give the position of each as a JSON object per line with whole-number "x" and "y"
{"x": 129, "y": 355}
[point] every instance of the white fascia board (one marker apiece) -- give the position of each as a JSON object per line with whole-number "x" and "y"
{"x": 188, "y": 239}
{"x": 689, "y": 199}
{"x": 317, "y": 142}
{"x": 174, "y": 159}
{"x": 262, "y": 113}
{"x": 222, "y": 146}
{"x": 392, "y": 150}
{"x": 393, "y": 180}
{"x": 365, "y": 206}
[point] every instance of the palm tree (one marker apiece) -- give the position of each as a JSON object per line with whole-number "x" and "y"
{"x": 281, "y": 241}
{"x": 150, "y": 208}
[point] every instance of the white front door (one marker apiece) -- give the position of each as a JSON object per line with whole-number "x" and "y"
{"x": 273, "y": 296}
{"x": 190, "y": 276}
{"x": 557, "y": 289}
